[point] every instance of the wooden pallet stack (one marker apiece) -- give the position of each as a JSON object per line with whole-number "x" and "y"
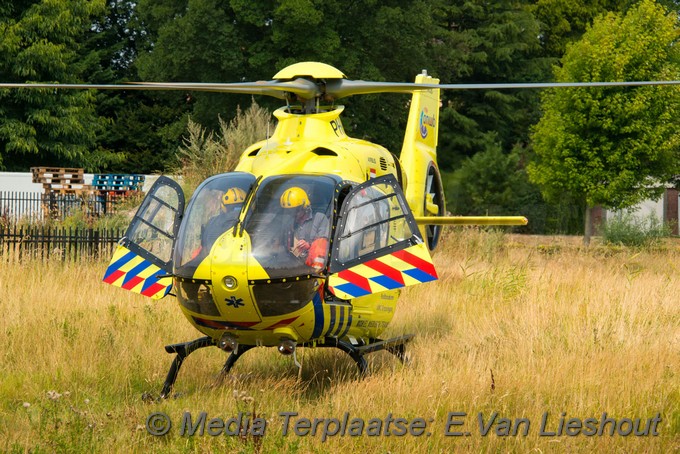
{"x": 64, "y": 190}
{"x": 60, "y": 180}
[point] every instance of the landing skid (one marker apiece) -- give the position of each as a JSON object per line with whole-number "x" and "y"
{"x": 396, "y": 346}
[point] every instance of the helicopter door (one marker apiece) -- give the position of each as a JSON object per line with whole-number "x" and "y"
{"x": 377, "y": 244}
{"x": 142, "y": 262}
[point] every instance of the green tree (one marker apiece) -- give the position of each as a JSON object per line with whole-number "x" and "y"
{"x": 141, "y": 129}
{"x": 212, "y": 41}
{"x": 489, "y": 183}
{"x": 39, "y": 42}
{"x": 207, "y": 40}
{"x": 496, "y": 183}
{"x": 564, "y": 21}
{"x": 488, "y": 42}
{"x": 613, "y": 146}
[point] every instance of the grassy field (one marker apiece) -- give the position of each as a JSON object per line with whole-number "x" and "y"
{"x": 518, "y": 326}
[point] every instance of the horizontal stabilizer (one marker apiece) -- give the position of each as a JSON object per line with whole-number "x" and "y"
{"x": 471, "y": 220}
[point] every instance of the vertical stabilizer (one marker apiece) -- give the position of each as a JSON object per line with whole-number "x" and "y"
{"x": 423, "y": 191}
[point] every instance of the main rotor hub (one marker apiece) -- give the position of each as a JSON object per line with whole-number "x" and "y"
{"x": 309, "y": 69}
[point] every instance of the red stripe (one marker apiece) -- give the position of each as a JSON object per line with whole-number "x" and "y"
{"x": 129, "y": 285}
{"x": 153, "y": 289}
{"x": 356, "y": 279}
{"x": 210, "y": 323}
{"x": 245, "y": 324}
{"x": 113, "y": 277}
{"x": 285, "y": 322}
{"x": 387, "y": 270}
{"x": 416, "y": 261}
{"x": 219, "y": 324}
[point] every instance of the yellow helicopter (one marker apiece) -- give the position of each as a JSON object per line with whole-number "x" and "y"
{"x": 309, "y": 241}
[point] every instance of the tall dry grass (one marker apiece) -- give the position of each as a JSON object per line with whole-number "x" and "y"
{"x": 519, "y": 326}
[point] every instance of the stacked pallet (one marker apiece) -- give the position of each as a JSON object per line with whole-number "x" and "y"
{"x": 113, "y": 188}
{"x": 118, "y": 183}
{"x": 60, "y": 180}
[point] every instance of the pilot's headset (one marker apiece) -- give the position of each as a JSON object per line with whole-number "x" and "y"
{"x": 232, "y": 198}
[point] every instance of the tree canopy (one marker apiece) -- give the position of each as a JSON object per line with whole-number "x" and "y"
{"x": 613, "y": 146}
{"x": 41, "y": 42}
{"x": 114, "y": 41}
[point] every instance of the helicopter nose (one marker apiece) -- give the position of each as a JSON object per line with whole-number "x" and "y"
{"x": 287, "y": 347}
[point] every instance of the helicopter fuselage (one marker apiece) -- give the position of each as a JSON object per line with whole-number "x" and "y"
{"x": 302, "y": 144}
{"x": 245, "y": 286}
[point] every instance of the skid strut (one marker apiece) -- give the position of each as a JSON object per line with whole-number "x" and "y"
{"x": 183, "y": 350}
{"x": 233, "y": 357}
{"x": 395, "y": 346}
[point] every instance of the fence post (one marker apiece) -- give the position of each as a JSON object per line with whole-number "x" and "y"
{"x": 96, "y": 243}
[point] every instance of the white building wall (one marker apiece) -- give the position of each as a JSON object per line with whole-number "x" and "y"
{"x": 643, "y": 210}
{"x": 23, "y": 182}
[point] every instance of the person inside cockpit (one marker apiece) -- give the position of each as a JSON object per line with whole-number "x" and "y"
{"x": 308, "y": 236}
{"x": 230, "y": 204}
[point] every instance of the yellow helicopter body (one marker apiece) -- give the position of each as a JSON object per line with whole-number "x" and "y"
{"x": 244, "y": 290}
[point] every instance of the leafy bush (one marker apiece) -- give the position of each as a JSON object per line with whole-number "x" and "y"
{"x": 628, "y": 230}
{"x": 493, "y": 182}
{"x": 205, "y": 153}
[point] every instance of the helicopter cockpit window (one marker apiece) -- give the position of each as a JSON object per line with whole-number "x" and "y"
{"x": 374, "y": 219}
{"x": 289, "y": 224}
{"x": 214, "y": 209}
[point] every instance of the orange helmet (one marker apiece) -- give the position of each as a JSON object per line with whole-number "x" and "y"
{"x": 294, "y": 197}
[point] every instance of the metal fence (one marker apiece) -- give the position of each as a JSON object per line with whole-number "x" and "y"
{"x": 17, "y": 243}
{"x": 32, "y": 207}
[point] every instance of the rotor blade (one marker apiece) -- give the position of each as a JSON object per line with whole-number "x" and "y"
{"x": 340, "y": 88}
{"x": 304, "y": 88}
{"x": 335, "y": 88}
{"x": 632, "y": 83}
{"x": 131, "y": 86}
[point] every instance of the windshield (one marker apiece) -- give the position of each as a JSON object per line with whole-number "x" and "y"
{"x": 213, "y": 209}
{"x": 289, "y": 224}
